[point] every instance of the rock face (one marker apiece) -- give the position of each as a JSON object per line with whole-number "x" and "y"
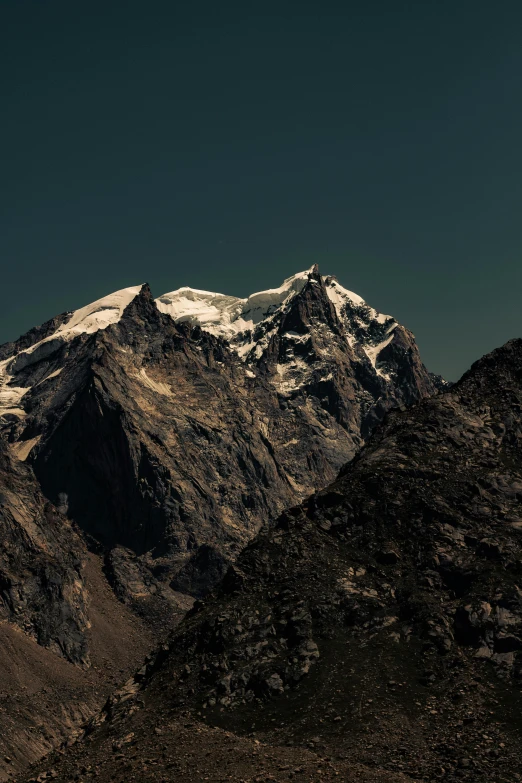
{"x": 41, "y": 583}
{"x": 65, "y": 640}
{"x": 171, "y": 431}
{"x": 44, "y": 698}
{"x": 379, "y": 623}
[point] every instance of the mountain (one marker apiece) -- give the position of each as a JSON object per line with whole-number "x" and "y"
{"x": 143, "y": 444}
{"x": 170, "y": 431}
{"x": 372, "y": 633}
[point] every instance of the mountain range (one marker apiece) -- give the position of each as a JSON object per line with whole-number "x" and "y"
{"x": 338, "y": 527}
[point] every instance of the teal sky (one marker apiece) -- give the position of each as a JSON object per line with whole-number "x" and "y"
{"x": 228, "y": 145}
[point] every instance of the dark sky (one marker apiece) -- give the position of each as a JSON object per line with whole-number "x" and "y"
{"x": 226, "y": 146}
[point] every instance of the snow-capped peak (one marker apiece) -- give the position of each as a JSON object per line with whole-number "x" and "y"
{"x": 231, "y": 316}
{"x": 97, "y": 315}
{"x": 91, "y": 318}
{"x": 246, "y": 323}
{"x": 341, "y": 297}
{"x": 260, "y": 304}
{"x": 86, "y": 320}
{"x": 363, "y": 324}
{"x": 228, "y": 316}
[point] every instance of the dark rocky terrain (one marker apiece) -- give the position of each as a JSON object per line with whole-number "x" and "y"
{"x": 65, "y": 640}
{"x": 373, "y": 632}
{"x": 44, "y": 698}
{"x": 41, "y": 582}
{"x": 140, "y": 453}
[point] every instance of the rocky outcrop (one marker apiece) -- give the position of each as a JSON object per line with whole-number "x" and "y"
{"x": 42, "y": 590}
{"x": 335, "y": 367}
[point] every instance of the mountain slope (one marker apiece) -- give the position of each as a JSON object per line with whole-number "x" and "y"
{"x": 65, "y": 640}
{"x": 379, "y": 624}
{"x": 41, "y": 585}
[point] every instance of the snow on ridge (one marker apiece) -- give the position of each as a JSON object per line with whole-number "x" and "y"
{"x": 339, "y": 296}
{"x": 231, "y": 317}
{"x": 372, "y": 351}
{"x": 97, "y": 315}
{"x": 86, "y": 320}
{"x": 276, "y": 296}
{"x": 214, "y": 312}
{"x": 228, "y": 316}
{"x": 236, "y": 319}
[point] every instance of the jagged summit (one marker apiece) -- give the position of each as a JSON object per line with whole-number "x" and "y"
{"x": 249, "y": 325}
{"x": 235, "y": 318}
{"x": 228, "y": 316}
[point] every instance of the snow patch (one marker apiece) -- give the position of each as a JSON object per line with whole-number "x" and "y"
{"x": 52, "y": 375}
{"x": 372, "y": 351}
{"x": 157, "y": 386}
{"x": 10, "y": 396}
{"x": 291, "y": 376}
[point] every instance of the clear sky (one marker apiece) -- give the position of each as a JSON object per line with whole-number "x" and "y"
{"x": 228, "y": 145}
